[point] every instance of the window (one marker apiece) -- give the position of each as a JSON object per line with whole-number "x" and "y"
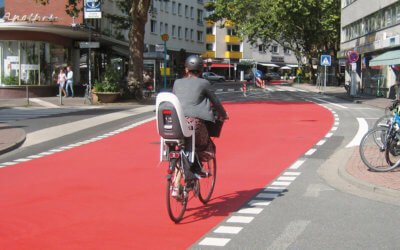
{"x": 161, "y": 28}
{"x": 199, "y": 16}
{"x": 261, "y": 49}
{"x": 210, "y": 46}
{"x": 161, "y": 5}
{"x": 233, "y": 47}
{"x": 191, "y": 34}
{"x": 286, "y": 51}
{"x": 231, "y": 32}
{"x": 274, "y": 49}
{"x": 179, "y": 32}
{"x": 186, "y": 11}
{"x": 153, "y": 26}
{"x": 174, "y": 8}
{"x": 199, "y": 36}
{"x": 173, "y": 31}
{"x": 398, "y": 13}
{"x": 186, "y": 33}
{"x": 191, "y": 12}
{"x": 209, "y": 30}
{"x": 166, "y": 6}
{"x": 180, "y": 9}
{"x": 166, "y": 28}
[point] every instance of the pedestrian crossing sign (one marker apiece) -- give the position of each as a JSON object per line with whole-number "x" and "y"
{"x": 325, "y": 60}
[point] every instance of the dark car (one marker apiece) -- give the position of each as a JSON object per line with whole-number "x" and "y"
{"x": 271, "y": 76}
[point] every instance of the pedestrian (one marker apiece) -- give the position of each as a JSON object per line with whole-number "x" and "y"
{"x": 70, "y": 81}
{"x": 61, "y": 81}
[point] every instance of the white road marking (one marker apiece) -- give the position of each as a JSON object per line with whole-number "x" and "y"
{"x": 287, "y": 178}
{"x": 73, "y": 127}
{"x": 275, "y": 189}
{"x": 328, "y": 135}
{"x": 362, "y": 130}
{"x": 43, "y": 103}
{"x": 259, "y": 203}
{"x": 228, "y": 230}
{"x": 335, "y": 104}
{"x": 240, "y": 219}
{"x": 252, "y": 210}
{"x": 281, "y": 183}
{"x": 219, "y": 242}
{"x": 297, "y": 164}
{"x": 311, "y": 151}
{"x": 321, "y": 142}
{"x": 292, "y": 173}
{"x": 289, "y": 235}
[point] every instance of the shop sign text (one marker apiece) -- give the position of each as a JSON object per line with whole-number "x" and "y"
{"x": 32, "y": 18}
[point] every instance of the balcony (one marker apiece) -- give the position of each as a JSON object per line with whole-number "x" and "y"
{"x": 229, "y": 23}
{"x": 209, "y": 54}
{"x": 210, "y": 38}
{"x": 233, "y": 54}
{"x": 210, "y": 23}
{"x": 232, "y": 39}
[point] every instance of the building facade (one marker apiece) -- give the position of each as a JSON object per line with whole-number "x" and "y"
{"x": 369, "y": 29}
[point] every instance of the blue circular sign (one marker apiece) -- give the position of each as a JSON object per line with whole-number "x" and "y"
{"x": 258, "y": 74}
{"x": 92, "y": 4}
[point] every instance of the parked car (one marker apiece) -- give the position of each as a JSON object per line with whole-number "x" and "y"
{"x": 271, "y": 76}
{"x": 211, "y": 76}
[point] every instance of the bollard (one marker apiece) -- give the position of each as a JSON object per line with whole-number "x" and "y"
{"x": 244, "y": 88}
{"x": 60, "y": 94}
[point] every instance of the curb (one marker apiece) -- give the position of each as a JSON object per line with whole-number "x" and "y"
{"x": 342, "y": 172}
{"x": 18, "y": 142}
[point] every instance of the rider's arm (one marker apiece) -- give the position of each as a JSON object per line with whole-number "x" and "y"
{"x": 217, "y": 104}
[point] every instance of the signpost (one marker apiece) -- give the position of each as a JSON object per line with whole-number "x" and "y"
{"x": 165, "y": 38}
{"x": 92, "y": 10}
{"x": 325, "y": 61}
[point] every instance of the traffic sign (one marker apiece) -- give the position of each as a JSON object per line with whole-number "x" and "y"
{"x": 353, "y": 56}
{"x": 164, "y": 37}
{"x": 87, "y": 45}
{"x": 258, "y": 74}
{"x": 92, "y": 9}
{"x": 325, "y": 60}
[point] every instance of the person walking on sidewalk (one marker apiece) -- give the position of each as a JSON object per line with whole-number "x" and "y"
{"x": 70, "y": 81}
{"x": 61, "y": 82}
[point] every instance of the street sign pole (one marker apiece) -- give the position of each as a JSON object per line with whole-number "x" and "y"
{"x": 165, "y": 38}
{"x": 323, "y": 91}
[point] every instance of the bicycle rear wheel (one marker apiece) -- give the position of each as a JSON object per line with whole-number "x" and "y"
{"x": 207, "y": 184}
{"x": 372, "y": 149}
{"x": 176, "y": 205}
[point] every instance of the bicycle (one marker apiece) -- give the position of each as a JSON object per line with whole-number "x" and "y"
{"x": 88, "y": 94}
{"x": 178, "y": 149}
{"x": 380, "y": 147}
{"x": 389, "y": 111}
{"x": 144, "y": 91}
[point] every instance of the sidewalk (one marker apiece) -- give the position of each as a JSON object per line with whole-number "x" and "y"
{"x": 354, "y": 171}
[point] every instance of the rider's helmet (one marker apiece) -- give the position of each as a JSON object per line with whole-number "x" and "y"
{"x": 194, "y": 63}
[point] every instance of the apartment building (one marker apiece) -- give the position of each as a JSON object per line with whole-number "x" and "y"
{"x": 371, "y": 30}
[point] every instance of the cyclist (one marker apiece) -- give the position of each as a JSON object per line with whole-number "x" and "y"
{"x": 198, "y": 103}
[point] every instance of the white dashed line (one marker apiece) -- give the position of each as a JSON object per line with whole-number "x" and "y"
{"x": 287, "y": 178}
{"x": 292, "y": 173}
{"x": 267, "y": 195}
{"x": 228, "y": 230}
{"x": 252, "y": 210}
{"x": 297, "y": 164}
{"x": 259, "y": 203}
{"x": 281, "y": 183}
{"x": 240, "y": 219}
{"x": 321, "y": 142}
{"x": 220, "y": 242}
{"x": 311, "y": 151}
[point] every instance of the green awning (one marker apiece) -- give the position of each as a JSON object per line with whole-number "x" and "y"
{"x": 388, "y": 58}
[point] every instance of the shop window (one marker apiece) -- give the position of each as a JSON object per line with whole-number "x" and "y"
{"x": 10, "y": 63}
{"x": 29, "y": 63}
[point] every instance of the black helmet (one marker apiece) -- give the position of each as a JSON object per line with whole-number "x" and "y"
{"x": 194, "y": 63}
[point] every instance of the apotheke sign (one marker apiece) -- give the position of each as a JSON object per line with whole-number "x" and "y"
{"x": 31, "y": 18}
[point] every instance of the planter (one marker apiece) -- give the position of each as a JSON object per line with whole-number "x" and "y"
{"x": 105, "y": 97}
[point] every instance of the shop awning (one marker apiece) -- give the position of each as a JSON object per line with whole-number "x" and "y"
{"x": 219, "y": 65}
{"x": 269, "y": 64}
{"x": 286, "y": 67}
{"x": 388, "y": 58}
{"x": 293, "y": 65}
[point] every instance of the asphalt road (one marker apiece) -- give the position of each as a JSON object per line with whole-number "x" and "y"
{"x": 312, "y": 208}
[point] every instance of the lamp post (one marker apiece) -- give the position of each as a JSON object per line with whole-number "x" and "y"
{"x": 165, "y": 38}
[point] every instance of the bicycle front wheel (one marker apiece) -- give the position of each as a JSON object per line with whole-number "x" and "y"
{"x": 176, "y": 196}
{"x": 207, "y": 183}
{"x": 392, "y": 152}
{"x": 372, "y": 149}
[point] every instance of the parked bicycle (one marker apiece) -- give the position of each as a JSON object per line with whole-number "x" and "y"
{"x": 389, "y": 112}
{"x": 144, "y": 91}
{"x": 178, "y": 149}
{"x": 380, "y": 147}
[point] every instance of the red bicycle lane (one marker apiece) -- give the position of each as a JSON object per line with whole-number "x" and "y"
{"x": 110, "y": 194}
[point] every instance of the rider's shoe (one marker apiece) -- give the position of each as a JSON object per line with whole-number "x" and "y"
{"x": 175, "y": 192}
{"x": 200, "y": 171}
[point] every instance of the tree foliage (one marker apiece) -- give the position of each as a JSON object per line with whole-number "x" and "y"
{"x": 306, "y": 27}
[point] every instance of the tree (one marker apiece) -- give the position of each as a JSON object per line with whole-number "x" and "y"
{"x": 135, "y": 20}
{"x": 307, "y": 27}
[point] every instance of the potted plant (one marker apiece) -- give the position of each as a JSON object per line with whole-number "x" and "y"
{"x": 108, "y": 88}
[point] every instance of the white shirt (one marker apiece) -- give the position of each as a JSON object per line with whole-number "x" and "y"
{"x": 70, "y": 75}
